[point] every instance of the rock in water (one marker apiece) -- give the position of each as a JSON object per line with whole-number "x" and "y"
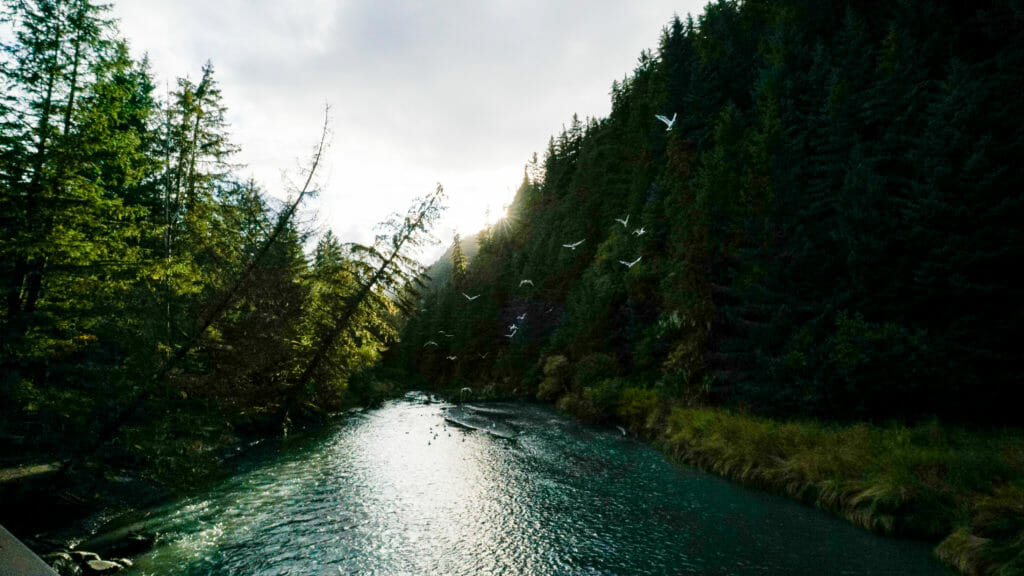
{"x": 63, "y": 564}
{"x": 83, "y": 556}
{"x": 122, "y": 544}
{"x": 101, "y": 567}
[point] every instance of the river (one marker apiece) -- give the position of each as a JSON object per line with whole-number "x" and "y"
{"x": 400, "y": 490}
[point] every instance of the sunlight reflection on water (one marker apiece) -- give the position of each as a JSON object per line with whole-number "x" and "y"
{"x": 400, "y": 491}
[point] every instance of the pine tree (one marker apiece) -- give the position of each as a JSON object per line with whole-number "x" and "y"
{"x": 58, "y": 45}
{"x": 458, "y": 264}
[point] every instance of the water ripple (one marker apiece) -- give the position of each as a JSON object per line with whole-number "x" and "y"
{"x": 401, "y": 491}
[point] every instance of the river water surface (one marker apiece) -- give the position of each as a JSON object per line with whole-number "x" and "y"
{"x": 400, "y": 490}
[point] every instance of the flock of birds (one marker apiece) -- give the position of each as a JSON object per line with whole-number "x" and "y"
{"x": 625, "y": 224}
{"x": 514, "y": 327}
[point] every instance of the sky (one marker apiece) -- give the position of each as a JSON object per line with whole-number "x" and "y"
{"x": 460, "y": 93}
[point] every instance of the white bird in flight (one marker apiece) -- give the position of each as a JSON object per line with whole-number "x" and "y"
{"x": 530, "y": 282}
{"x": 521, "y": 317}
{"x": 484, "y": 355}
{"x": 452, "y": 358}
{"x": 623, "y": 222}
{"x": 470, "y": 298}
{"x": 573, "y": 245}
{"x": 667, "y": 122}
{"x": 630, "y": 264}
{"x": 639, "y": 231}
{"x": 430, "y": 343}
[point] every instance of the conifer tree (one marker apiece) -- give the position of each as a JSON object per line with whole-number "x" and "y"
{"x": 458, "y": 264}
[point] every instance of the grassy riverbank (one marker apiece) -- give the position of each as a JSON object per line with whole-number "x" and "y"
{"x": 963, "y": 489}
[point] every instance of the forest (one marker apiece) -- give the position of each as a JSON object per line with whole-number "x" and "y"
{"x": 828, "y": 229}
{"x": 795, "y": 230}
{"x": 156, "y": 305}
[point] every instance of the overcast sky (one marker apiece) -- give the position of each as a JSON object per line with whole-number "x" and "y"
{"x": 456, "y": 92}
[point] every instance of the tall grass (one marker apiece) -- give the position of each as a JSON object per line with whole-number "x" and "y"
{"x": 961, "y": 488}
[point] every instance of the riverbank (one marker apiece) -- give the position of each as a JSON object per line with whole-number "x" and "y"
{"x": 77, "y": 505}
{"x": 958, "y": 488}
{"x": 962, "y": 489}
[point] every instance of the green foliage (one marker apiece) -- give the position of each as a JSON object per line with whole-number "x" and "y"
{"x": 604, "y": 395}
{"x": 593, "y": 369}
{"x": 181, "y": 448}
{"x": 154, "y": 303}
{"x": 458, "y": 264}
{"x": 638, "y": 405}
{"x": 557, "y": 373}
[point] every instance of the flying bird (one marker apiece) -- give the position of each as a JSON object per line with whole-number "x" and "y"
{"x": 513, "y": 327}
{"x": 639, "y": 231}
{"x": 573, "y": 245}
{"x": 430, "y": 343}
{"x": 630, "y": 264}
{"x": 470, "y": 298}
{"x": 667, "y": 122}
{"x": 530, "y": 282}
{"x": 452, "y": 358}
{"x": 484, "y": 355}
{"x": 625, "y": 222}
{"x": 521, "y": 317}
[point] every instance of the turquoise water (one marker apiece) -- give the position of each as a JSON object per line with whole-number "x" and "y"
{"x": 399, "y": 490}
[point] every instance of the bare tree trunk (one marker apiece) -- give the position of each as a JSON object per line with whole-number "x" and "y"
{"x": 227, "y": 297}
{"x": 353, "y": 304}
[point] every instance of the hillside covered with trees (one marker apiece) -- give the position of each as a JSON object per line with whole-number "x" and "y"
{"x": 801, "y": 276}
{"x": 828, "y": 229}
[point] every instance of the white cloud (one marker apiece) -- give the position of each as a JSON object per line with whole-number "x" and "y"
{"x": 459, "y": 92}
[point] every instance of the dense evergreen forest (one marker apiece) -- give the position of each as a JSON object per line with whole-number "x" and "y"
{"x": 829, "y": 228}
{"x": 155, "y": 303}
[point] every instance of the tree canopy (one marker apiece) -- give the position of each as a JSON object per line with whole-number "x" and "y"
{"x": 156, "y": 303}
